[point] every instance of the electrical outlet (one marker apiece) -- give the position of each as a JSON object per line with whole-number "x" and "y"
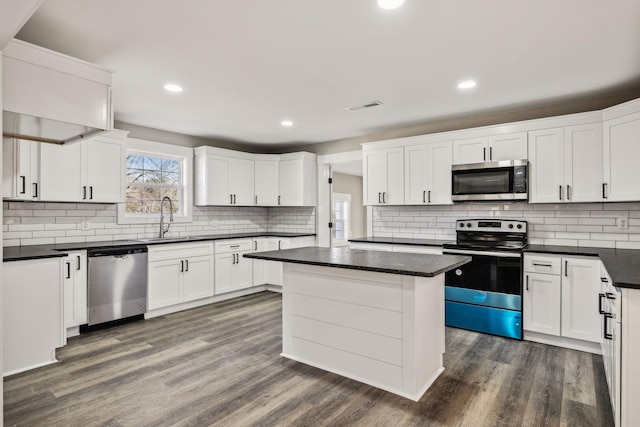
{"x": 623, "y": 223}
{"x": 84, "y": 225}
{"x": 432, "y": 222}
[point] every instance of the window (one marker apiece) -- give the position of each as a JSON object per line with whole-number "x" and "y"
{"x": 155, "y": 171}
{"x": 150, "y": 178}
{"x": 341, "y": 218}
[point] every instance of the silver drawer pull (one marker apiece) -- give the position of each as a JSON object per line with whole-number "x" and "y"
{"x": 234, "y": 246}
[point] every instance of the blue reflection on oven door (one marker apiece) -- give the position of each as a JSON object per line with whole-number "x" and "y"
{"x": 485, "y": 298}
{"x": 496, "y": 321}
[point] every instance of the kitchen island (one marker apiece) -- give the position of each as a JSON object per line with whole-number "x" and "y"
{"x": 375, "y": 317}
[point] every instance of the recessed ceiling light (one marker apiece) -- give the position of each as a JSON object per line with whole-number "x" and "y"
{"x": 173, "y": 88}
{"x": 390, "y": 4}
{"x": 287, "y": 123}
{"x": 467, "y": 84}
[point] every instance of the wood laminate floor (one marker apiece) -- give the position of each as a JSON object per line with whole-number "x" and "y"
{"x": 220, "y": 365}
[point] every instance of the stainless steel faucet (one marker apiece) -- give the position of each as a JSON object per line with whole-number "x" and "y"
{"x": 163, "y": 230}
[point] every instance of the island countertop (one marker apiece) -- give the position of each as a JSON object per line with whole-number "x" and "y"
{"x": 407, "y": 264}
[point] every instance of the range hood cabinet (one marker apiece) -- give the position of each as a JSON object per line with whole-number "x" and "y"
{"x": 53, "y": 98}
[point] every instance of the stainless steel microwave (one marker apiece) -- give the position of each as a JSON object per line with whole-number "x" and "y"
{"x": 494, "y": 181}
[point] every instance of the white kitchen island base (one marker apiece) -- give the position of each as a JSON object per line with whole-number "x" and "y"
{"x": 385, "y": 330}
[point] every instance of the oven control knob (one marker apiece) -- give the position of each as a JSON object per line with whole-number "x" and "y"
{"x": 462, "y": 224}
{"x": 510, "y": 225}
{"x": 468, "y": 224}
{"x": 519, "y": 226}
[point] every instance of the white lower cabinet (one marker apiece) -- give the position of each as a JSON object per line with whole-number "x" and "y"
{"x": 32, "y": 313}
{"x": 179, "y": 273}
{"x": 233, "y": 271}
{"x": 270, "y": 272}
{"x": 75, "y": 291}
{"x": 560, "y": 299}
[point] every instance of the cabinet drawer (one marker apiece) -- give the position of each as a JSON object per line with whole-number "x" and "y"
{"x": 179, "y": 250}
{"x": 545, "y": 264}
{"x": 227, "y": 246}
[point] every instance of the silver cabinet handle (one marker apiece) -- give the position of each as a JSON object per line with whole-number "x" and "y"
{"x": 278, "y": 200}
{"x": 604, "y": 190}
{"x": 256, "y": 199}
{"x": 230, "y": 199}
{"x": 79, "y": 266}
{"x": 429, "y": 198}
{"x": 560, "y": 192}
{"x": 379, "y": 197}
{"x": 24, "y": 184}
{"x": 84, "y": 192}
{"x": 68, "y": 269}
{"x": 384, "y": 197}
{"x": 541, "y": 265}
{"x": 527, "y": 282}
{"x": 35, "y": 189}
{"x": 568, "y": 192}
{"x": 484, "y": 154}
{"x": 424, "y": 196}
{"x": 607, "y": 335}
{"x": 490, "y": 153}
{"x": 566, "y": 268}
{"x": 255, "y": 245}
{"x": 600, "y": 309}
{"x": 186, "y": 262}
{"x": 279, "y": 244}
{"x": 181, "y": 266}
{"x": 234, "y": 246}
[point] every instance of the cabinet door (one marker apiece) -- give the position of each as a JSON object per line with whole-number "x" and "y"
{"x": 621, "y": 158}
{"x": 583, "y": 163}
{"x": 197, "y": 278}
{"x": 259, "y": 274}
{"x": 394, "y": 194}
{"x": 218, "y": 186}
{"x": 472, "y": 150}
{"x": 163, "y": 284}
{"x": 105, "y": 169}
{"x": 242, "y": 273}
{"x": 241, "y": 182}
{"x": 439, "y": 157}
{"x": 375, "y": 176}
{"x": 273, "y": 269}
{"x": 511, "y": 146}
{"x": 415, "y": 175}
{"x": 75, "y": 289}
{"x": 21, "y": 165}
{"x": 266, "y": 182}
{"x": 546, "y": 172}
{"x": 223, "y": 273}
{"x": 61, "y": 172}
{"x": 580, "y": 287}
{"x": 541, "y": 303}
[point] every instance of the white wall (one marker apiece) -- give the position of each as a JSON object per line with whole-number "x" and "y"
{"x": 579, "y": 224}
{"x": 35, "y": 223}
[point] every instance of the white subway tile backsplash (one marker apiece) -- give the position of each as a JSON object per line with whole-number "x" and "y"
{"x": 574, "y": 224}
{"x": 27, "y": 223}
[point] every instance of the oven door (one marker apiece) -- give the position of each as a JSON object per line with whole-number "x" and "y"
{"x": 490, "y": 279}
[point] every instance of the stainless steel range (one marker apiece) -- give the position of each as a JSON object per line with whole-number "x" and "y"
{"x": 485, "y": 295}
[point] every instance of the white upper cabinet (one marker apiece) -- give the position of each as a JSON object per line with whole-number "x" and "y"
{"x": 383, "y": 179}
{"x": 428, "y": 174}
{"x": 234, "y": 178}
{"x": 21, "y": 169}
{"x": 42, "y": 83}
{"x": 223, "y": 177}
{"x": 297, "y": 179}
{"x": 565, "y": 164}
{"x": 622, "y": 157}
{"x": 92, "y": 170}
{"x": 266, "y": 180}
{"x": 511, "y": 146}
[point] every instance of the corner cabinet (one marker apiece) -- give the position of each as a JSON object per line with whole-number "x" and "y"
{"x": 297, "y": 179}
{"x": 383, "y": 179}
{"x": 621, "y": 158}
{"x": 179, "y": 273}
{"x": 233, "y": 178}
{"x": 427, "y": 175}
{"x": 566, "y": 164}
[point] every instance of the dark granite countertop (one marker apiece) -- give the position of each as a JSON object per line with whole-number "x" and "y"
{"x": 400, "y": 241}
{"x": 20, "y": 253}
{"x": 383, "y": 262}
{"x": 623, "y": 265}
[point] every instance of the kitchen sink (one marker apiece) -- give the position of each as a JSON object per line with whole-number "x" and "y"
{"x": 164, "y": 239}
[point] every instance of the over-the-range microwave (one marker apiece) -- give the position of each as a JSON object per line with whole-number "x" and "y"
{"x": 492, "y": 181}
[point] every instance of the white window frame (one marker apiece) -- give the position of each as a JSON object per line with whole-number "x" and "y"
{"x": 341, "y": 197}
{"x": 159, "y": 149}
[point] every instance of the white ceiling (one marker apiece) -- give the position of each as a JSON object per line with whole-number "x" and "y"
{"x": 246, "y": 65}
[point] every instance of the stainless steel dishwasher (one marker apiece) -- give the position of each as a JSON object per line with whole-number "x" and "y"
{"x": 117, "y": 283}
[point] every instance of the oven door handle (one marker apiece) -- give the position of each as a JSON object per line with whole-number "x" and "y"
{"x": 485, "y": 253}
